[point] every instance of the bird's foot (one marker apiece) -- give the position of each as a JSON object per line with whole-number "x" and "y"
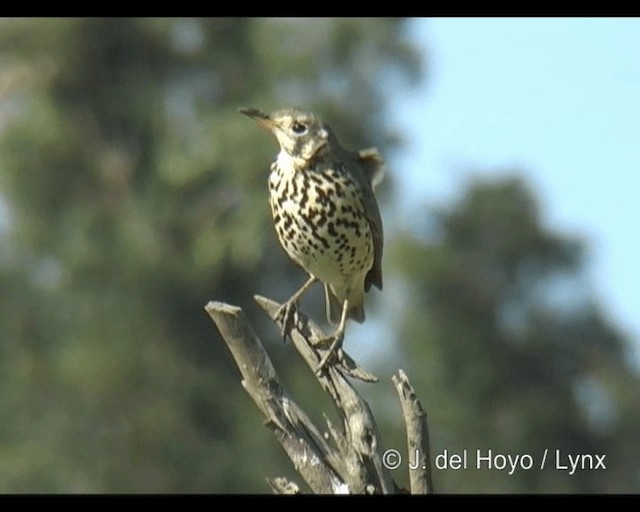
{"x": 285, "y": 316}
{"x": 334, "y": 351}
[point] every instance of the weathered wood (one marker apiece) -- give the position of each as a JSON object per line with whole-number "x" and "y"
{"x": 304, "y": 445}
{"x": 346, "y": 459}
{"x": 360, "y": 460}
{"x": 281, "y": 485}
{"x": 415, "y": 419}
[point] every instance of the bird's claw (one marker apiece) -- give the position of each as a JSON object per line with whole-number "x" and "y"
{"x": 285, "y": 316}
{"x": 334, "y": 351}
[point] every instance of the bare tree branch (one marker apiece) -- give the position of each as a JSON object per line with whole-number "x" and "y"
{"x": 346, "y": 459}
{"x": 415, "y": 419}
{"x": 281, "y": 485}
{"x": 304, "y": 445}
{"x": 360, "y": 462}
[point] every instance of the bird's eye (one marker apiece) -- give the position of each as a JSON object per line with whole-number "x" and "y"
{"x": 299, "y": 128}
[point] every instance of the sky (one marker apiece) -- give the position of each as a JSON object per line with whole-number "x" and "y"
{"x": 558, "y": 98}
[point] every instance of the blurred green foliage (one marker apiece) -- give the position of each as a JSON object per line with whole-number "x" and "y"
{"x": 136, "y": 193}
{"x": 511, "y": 351}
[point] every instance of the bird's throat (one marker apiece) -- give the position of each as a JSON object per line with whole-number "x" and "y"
{"x": 288, "y": 164}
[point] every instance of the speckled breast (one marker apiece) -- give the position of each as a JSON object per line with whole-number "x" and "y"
{"x": 321, "y": 223}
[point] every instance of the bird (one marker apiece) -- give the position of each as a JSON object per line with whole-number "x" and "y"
{"x": 325, "y": 215}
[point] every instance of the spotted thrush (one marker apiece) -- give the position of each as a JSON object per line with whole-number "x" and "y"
{"x": 325, "y": 214}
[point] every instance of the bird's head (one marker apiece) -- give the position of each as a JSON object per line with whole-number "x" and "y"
{"x": 300, "y": 133}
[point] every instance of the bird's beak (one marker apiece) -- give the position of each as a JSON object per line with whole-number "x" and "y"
{"x": 259, "y": 116}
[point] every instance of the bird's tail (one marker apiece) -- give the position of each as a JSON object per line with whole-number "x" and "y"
{"x": 334, "y": 308}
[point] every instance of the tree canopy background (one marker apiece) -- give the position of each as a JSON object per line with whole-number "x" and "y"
{"x": 133, "y": 193}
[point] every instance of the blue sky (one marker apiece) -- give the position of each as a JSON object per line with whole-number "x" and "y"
{"x": 557, "y": 98}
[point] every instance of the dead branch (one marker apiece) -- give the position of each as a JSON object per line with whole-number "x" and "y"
{"x": 353, "y": 461}
{"x": 415, "y": 419}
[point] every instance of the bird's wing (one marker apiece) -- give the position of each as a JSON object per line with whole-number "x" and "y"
{"x": 364, "y": 169}
{"x": 368, "y": 168}
{"x": 374, "y": 276}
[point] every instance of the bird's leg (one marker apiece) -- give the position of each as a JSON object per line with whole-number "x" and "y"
{"x": 336, "y": 339}
{"x": 285, "y": 313}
